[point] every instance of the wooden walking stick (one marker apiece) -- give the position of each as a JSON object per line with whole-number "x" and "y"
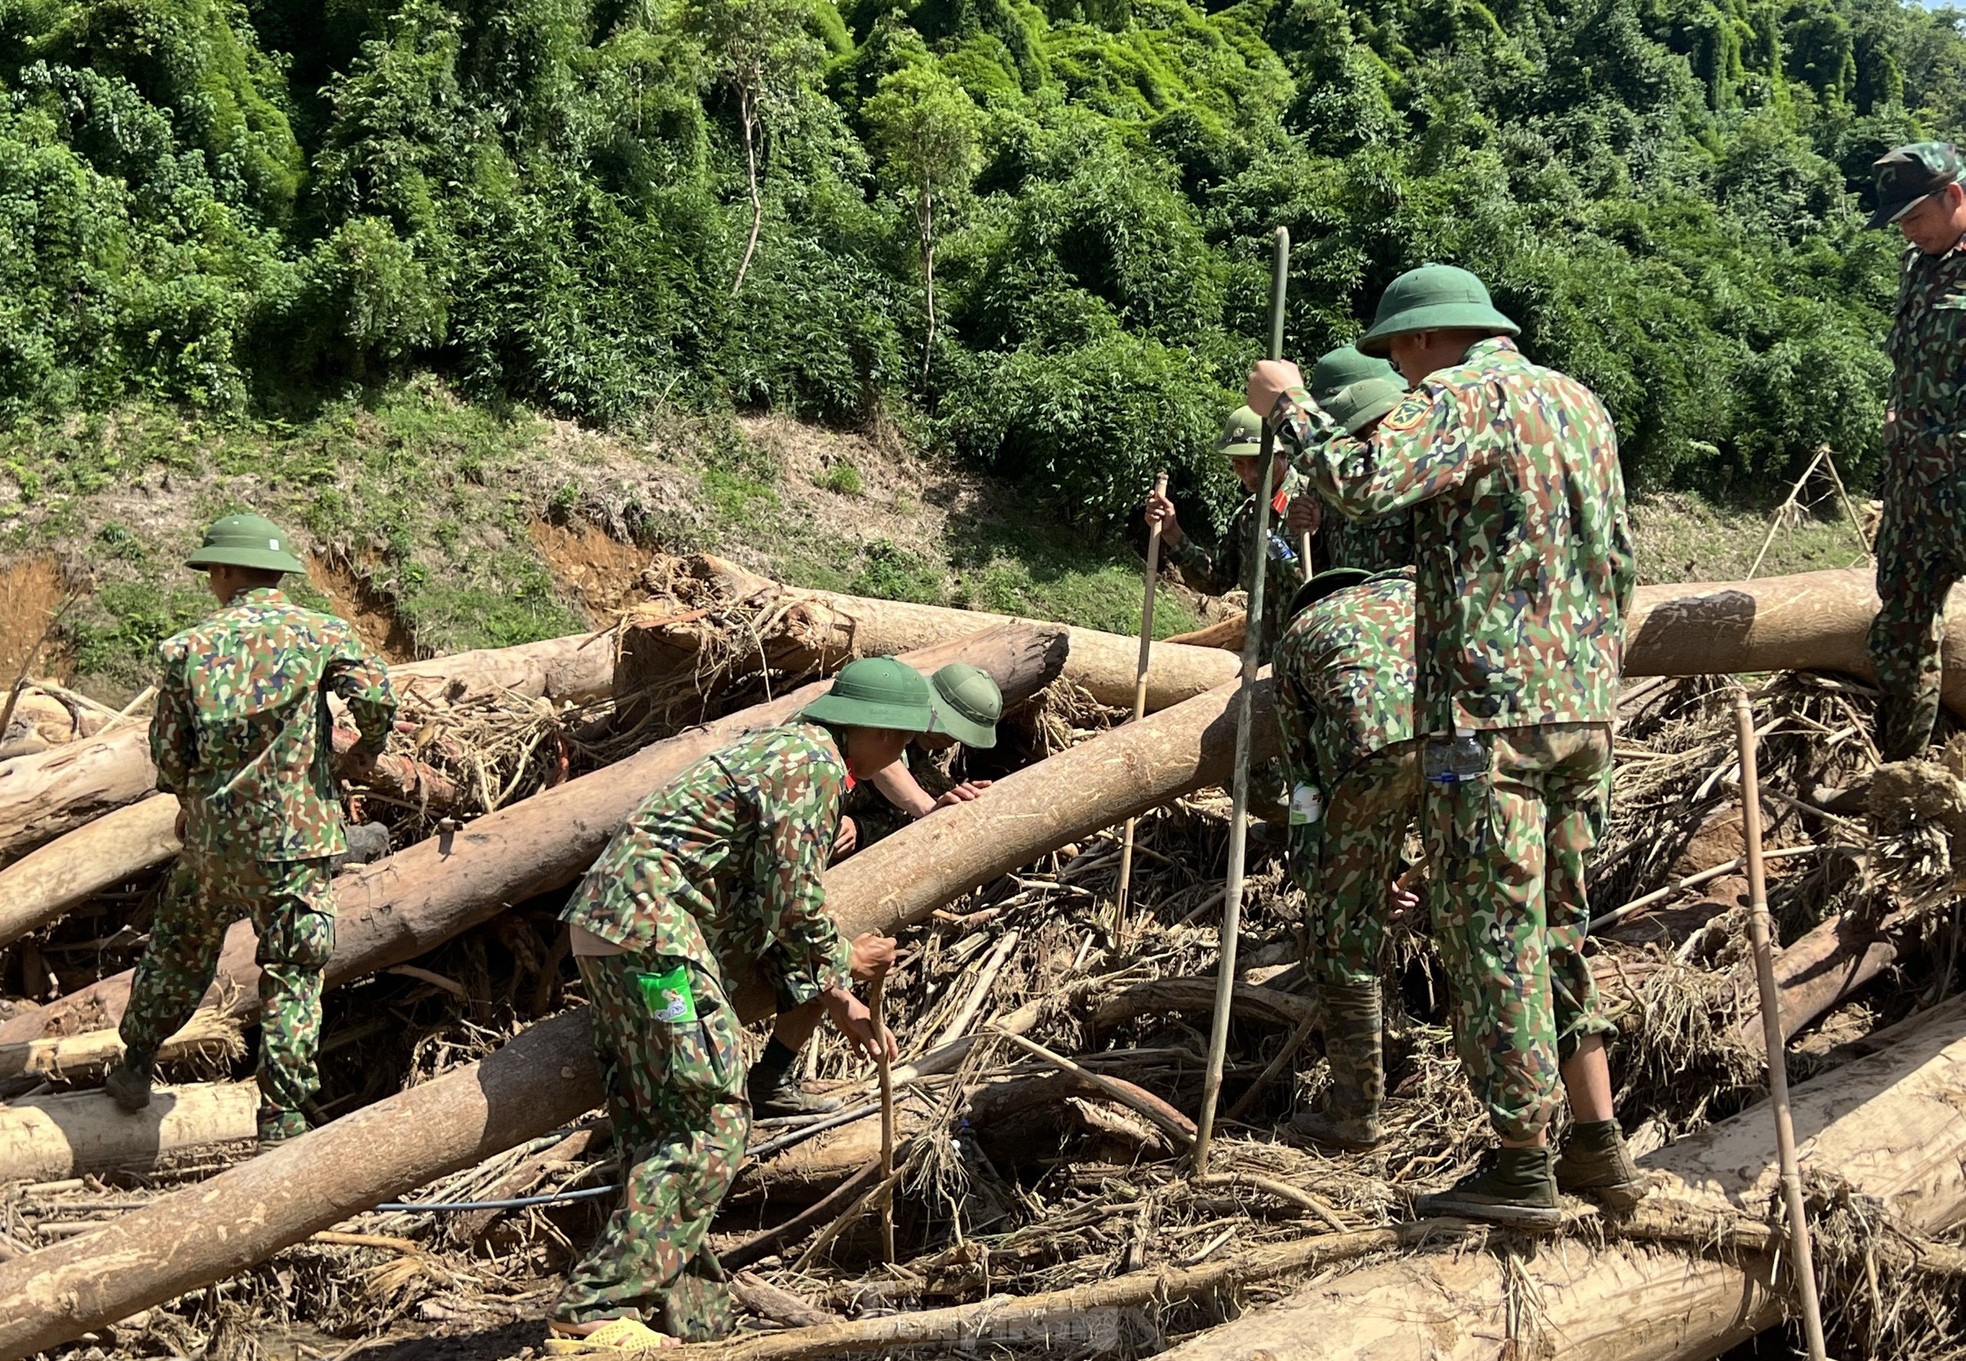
{"x": 1139, "y": 707}
{"x": 876, "y": 1008}
{"x": 1252, "y": 643}
{"x": 1771, "y": 1031}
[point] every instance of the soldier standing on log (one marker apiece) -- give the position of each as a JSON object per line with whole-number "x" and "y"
{"x": 1525, "y": 573}
{"x": 243, "y": 737}
{"x": 716, "y": 871}
{"x": 1921, "y": 540}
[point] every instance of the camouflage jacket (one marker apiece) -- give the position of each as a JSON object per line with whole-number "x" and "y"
{"x": 1345, "y": 673}
{"x": 243, "y": 735}
{"x": 1524, "y": 554}
{"x": 1926, "y": 436}
{"x": 1383, "y": 543}
{"x": 1229, "y": 567}
{"x": 722, "y": 865}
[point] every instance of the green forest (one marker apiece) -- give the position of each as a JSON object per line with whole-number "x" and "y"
{"x": 1033, "y": 234}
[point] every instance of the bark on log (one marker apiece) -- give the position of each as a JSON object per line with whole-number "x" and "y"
{"x": 45, "y": 1138}
{"x": 43, "y": 796}
{"x": 414, "y": 900}
{"x": 1885, "y": 1125}
{"x": 818, "y": 631}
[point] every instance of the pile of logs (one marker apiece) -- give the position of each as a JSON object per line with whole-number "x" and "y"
{"x": 83, "y": 816}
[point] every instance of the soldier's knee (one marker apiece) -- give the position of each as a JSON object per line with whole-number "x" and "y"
{"x": 302, "y": 939}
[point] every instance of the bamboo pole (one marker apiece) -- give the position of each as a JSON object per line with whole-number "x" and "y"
{"x": 1218, "y": 1035}
{"x": 877, "y": 1012}
{"x": 1152, "y": 576}
{"x": 1771, "y": 1031}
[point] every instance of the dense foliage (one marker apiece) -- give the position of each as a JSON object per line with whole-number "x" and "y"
{"x": 235, "y": 205}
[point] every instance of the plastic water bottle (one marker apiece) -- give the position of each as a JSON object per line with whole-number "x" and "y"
{"x": 1455, "y": 760}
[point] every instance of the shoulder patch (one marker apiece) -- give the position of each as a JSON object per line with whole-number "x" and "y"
{"x": 1410, "y": 414}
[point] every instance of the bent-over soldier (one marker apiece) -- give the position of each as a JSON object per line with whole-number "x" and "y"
{"x": 1525, "y": 573}
{"x": 1921, "y": 540}
{"x": 1356, "y": 391}
{"x": 716, "y": 872}
{"x": 1344, "y": 706}
{"x": 244, "y": 738}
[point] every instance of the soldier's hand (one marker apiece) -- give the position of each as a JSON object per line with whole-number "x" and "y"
{"x": 962, "y": 793}
{"x": 1400, "y": 897}
{"x": 845, "y": 839}
{"x": 1160, "y": 511}
{"x": 1305, "y": 515}
{"x": 851, "y": 1018}
{"x": 1269, "y": 380}
{"x": 870, "y": 955}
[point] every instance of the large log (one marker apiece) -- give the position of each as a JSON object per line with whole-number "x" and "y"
{"x": 45, "y": 795}
{"x": 43, "y": 1138}
{"x": 414, "y": 900}
{"x": 1885, "y": 1126}
{"x": 546, "y": 1076}
{"x": 818, "y": 631}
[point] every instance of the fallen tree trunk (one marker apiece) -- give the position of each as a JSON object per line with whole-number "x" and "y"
{"x": 45, "y": 795}
{"x": 44, "y": 1138}
{"x": 546, "y": 1076}
{"x": 1884, "y": 1126}
{"x": 818, "y": 631}
{"x": 414, "y": 900}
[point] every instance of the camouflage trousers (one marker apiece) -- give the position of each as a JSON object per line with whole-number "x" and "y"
{"x": 291, "y": 907}
{"x": 1346, "y": 862}
{"x": 681, "y": 1121}
{"x": 1921, "y": 553}
{"x": 1510, "y": 912}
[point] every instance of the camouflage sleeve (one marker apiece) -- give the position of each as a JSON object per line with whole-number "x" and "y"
{"x": 173, "y": 734}
{"x": 362, "y": 680}
{"x": 1421, "y": 450}
{"x": 1195, "y": 564}
{"x": 795, "y": 835}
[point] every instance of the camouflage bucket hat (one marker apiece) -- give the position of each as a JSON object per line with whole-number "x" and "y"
{"x": 875, "y": 692}
{"x": 1355, "y": 389}
{"x": 967, "y": 705}
{"x": 1433, "y": 298}
{"x": 1242, "y": 437}
{"x": 1326, "y": 583}
{"x": 1908, "y": 175}
{"x": 246, "y": 540}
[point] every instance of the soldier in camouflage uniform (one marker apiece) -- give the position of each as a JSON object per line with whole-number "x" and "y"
{"x": 967, "y": 707}
{"x": 1344, "y": 706}
{"x": 1231, "y": 566}
{"x": 1356, "y": 391}
{"x": 1921, "y": 540}
{"x": 243, "y": 737}
{"x": 716, "y": 871}
{"x": 1525, "y": 573}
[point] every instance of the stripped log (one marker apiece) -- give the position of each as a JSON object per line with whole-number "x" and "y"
{"x": 1884, "y": 1126}
{"x": 414, "y": 900}
{"x": 44, "y": 1138}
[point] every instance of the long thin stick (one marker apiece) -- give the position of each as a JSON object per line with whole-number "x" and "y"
{"x": 1252, "y": 643}
{"x": 1771, "y": 1031}
{"x": 1305, "y": 567}
{"x": 1139, "y": 707}
{"x": 876, "y": 1006}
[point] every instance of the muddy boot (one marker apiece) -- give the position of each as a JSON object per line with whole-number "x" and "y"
{"x": 1595, "y": 1163}
{"x": 1354, "y": 1044}
{"x": 775, "y": 1091}
{"x": 1513, "y": 1186}
{"x": 128, "y": 1083}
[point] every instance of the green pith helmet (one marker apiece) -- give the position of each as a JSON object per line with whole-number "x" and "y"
{"x": 1326, "y": 583}
{"x": 1242, "y": 437}
{"x": 1908, "y": 175}
{"x": 246, "y": 540}
{"x": 967, "y": 705}
{"x": 1355, "y": 389}
{"x": 875, "y": 692}
{"x": 1434, "y": 298}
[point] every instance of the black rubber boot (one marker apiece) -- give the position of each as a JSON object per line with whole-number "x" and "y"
{"x": 1595, "y": 1163}
{"x": 775, "y": 1092}
{"x": 1513, "y": 1186}
{"x": 1354, "y": 1044}
{"x": 128, "y": 1083}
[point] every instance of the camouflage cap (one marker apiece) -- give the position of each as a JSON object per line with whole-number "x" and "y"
{"x": 1242, "y": 437}
{"x": 1433, "y": 298}
{"x": 245, "y": 540}
{"x": 1355, "y": 389}
{"x": 967, "y": 705}
{"x": 1908, "y": 175}
{"x": 875, "y": 692}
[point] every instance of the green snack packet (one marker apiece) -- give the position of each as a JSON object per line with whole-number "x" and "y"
{"x": 667, "y": 995}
